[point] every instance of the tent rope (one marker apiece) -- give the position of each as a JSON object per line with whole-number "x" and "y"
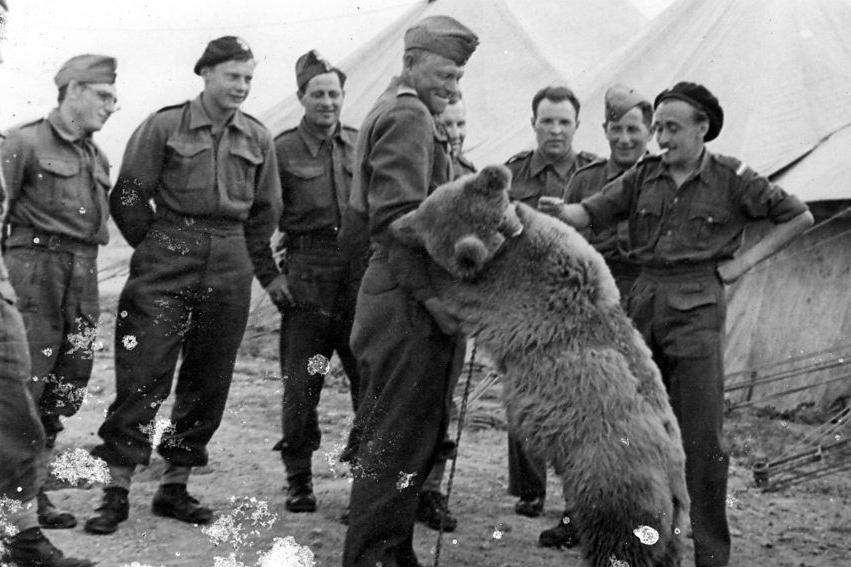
{"x": 461, "y": 415}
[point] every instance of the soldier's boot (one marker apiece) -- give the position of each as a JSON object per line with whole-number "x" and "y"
{"x": 114, "y": 509}
{"x": 173, "y": 501}
{"x": 432, "y": 510}
{"x": 31, "y": 548}
{"x": 562, "y": 535}
{"x": 50, "y": 517}
{"x": 530, "y": 506}
{"x": 300, "y": 497}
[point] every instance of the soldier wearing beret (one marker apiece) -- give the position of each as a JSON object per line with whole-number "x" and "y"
{"x": 543, "y": 172}
{"x": 21, "y": 433}
{"x": 686, "y": 210}
{"x": 57, "y": 181}
{"x": 317, "y": 290}
{"x": 210, "y": 169}
{"x": 403, "y": 337}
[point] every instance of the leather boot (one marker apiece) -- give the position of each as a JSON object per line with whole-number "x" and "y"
{"x": 31, "y": 548}
{"x": 173, "y": 501}
{"x": 300, "y": 497}
{"x": 113, "y": 509}
{"x": 433, "y": 511}
{"x": 562, "y": 535}
{"x": 52, "y": 518}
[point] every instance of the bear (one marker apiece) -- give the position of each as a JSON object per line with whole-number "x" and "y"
{"x": 578, "y": 381}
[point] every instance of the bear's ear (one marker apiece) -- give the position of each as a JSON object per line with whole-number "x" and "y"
{"x": 470, "y": 256}
{"x": 492, "y": 179}
{"x": 405, "y": 229}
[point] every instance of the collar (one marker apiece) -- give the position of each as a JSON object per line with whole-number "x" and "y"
{"x": 700, "y": 173}
{"x": 198, "y": 117}
{"x": 562, "y": 165}
{"x": 313, "y": 139}
{"x": 613, "y": 170}
{"x": 61, "y": 128}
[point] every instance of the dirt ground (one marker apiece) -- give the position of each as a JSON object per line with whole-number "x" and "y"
{"x": 806, "y": 525}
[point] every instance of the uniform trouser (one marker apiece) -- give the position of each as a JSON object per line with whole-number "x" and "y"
{"x": 188, "y": 296}
{"x": 21, "y": 433}
{"x": 58, "y": 298}
{"x": 319, "y": 322}
{"x": 625, "y": 274}
{"x": 404, "y": 362}
{"x": 681, "y": 314}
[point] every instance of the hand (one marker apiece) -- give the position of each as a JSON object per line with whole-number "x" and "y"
{"x": 448, "y": 321}
{"x": 279, "y": 292}
{"x": 552, "y": 206}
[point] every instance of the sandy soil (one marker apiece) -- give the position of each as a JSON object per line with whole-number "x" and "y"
{"x": 808, "y": 525}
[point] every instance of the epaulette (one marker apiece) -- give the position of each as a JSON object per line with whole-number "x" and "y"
{"x": 593, "y": 164}
{"x": 587, "y": 156}
{"x": 172, "y": 106}
{"x": 255, "y": 120}
{"x": 462, "y": 159}
{"x": 350, "y": 129}
{"x": 33, "y": 122}
{"x": 518, "y": 156}
{"x": 287, "y": 131}
{"x": 732, "y": 163}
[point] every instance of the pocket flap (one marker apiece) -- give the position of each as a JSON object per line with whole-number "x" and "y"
{"x": 58, "y": 166}
{"x": 188, "y": 149}
{"x": 686, "y": 301}
{"x": 247, "y": 154}
{"x": 306, "y": 171}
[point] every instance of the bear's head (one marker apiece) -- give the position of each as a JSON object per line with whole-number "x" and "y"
{"x": 463, "y": 223}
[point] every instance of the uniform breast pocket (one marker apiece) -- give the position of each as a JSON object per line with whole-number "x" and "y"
{"x": 189, "y": 166}
{"x": 242, "y": 172}
{"x": 307, "y": 187}
{"x": 645, "y": 220}
{"x": 57, "y": 181}
{"x": 707, "y": 224}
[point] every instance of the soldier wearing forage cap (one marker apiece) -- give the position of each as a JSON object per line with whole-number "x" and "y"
{"x": 211, "y": 172}
{"x": 627, "y": 129}
{"x": 543, "y": 172}
{"x": 21, "y": 435}
{"x": 686, "y": 210}
{"x": 403, "y": 336}
{"x": 317, "y": 290}
{"x": 57, "y": 180}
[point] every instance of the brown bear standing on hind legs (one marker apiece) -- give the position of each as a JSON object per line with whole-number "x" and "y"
{"x": 578, "y": 380}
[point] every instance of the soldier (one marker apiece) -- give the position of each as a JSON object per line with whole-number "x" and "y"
{"x": 627, "y": 129}
{"x": 432, "y": 507}
{"x": 403, "y": 336}
{"x": 57, "y": 180}
{"x": 687, "y": 209}
{"x": 535, "y": 174}
{"x": 21, "y": 434}
{"x": 318, "y": 290}
{"x": 211, "y": 171}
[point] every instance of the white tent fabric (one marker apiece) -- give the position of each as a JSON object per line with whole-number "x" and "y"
{"x": 780, "y": 68}
{"x": 523, "y": 46}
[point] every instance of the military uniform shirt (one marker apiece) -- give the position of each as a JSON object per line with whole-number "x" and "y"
{"x": 534, "y": 177}
{"x": 57, "y": 182}
{"x": 174, "y": 158}
{"x": 611, "y": 242}
{"x": 701, "y": 221}
{"x": 316, "y": 177}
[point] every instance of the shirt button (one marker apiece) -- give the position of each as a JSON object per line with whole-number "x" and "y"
{"x": 676, "y": 199}
{"x": 669, "y": 233}
{"x": 36, "y": 240}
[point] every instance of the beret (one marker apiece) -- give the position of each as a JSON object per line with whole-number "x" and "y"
{"x": 223, "y": 49}
{"x": 699, "y": 97}
{"x": 444, "y": 36}
{"x": 87, "y": 68}
{"x": 620, "y": 99}
{"x": 311, "y": 64}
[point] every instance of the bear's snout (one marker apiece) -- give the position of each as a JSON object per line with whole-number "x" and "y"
{"x": 470, "y": 256}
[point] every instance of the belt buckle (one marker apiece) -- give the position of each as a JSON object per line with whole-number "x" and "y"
{"x": 54, "y": 242}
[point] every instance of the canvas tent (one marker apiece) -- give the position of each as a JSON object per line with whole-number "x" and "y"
{"x": 782, "y": 71}
{"x": 523, "y": 46}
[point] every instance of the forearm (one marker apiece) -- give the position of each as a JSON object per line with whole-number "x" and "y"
{"x": 776, "y": 239}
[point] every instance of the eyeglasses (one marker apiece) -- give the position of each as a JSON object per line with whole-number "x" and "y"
{"x": 107, "y": 99}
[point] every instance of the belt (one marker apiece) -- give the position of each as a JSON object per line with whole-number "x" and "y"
{"x": 681, "y": 271}
{"x": 213, "y": 225}
{"x": 26, "y": 236}
{"x": 319, "y": 239}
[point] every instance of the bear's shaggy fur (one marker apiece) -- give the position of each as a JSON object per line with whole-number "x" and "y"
{"x": 579, "y": 382}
